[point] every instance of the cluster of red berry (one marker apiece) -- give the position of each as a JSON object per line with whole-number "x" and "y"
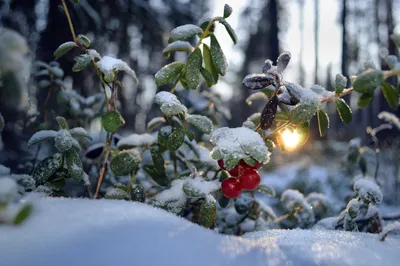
{"x": 243, "y": 177}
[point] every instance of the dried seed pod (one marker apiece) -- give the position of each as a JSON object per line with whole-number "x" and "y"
{"x": 282, "y": 61}
{"x": 269, "y": 112}
{"x": 259, "y": 81}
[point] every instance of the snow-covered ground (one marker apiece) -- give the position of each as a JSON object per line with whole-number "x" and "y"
{"x": 109, "y": 232}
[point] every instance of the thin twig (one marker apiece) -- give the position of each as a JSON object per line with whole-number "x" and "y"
{"x": 104, "y": 164}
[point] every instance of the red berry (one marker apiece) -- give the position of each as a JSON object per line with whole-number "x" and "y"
{"x": 221, "y": 164}
{"x": 234, "y": 171}
{"x": 258, "y": 165}
{"x": 250, "y": 179}
{"x": 231, "y": 187}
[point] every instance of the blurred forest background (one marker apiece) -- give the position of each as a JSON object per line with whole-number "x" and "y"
{"x": 325, "y": 38}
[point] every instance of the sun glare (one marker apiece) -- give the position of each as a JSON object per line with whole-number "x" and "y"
{"x": 290, "y": 139}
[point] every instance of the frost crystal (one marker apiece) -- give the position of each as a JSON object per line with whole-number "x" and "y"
{"x": 41, "y": 136}
{"x": 233, "y": 144}
{"x": 390, "y": 118}
{"x": 136, "y": 140}
{"x": 368, "y": 191}
{"x": 201, "y": 122}
{"x": 170, "y": 105}
{"x": 108, "y": 65}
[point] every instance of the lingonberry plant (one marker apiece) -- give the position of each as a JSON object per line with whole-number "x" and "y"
{"x": 171, "y": 166}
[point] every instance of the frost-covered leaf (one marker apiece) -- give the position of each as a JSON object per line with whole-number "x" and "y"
{"x": 368, "y": 191}
{"x": 344, "y": 110}
{"x": 41, "y": 136}
{"x": 202, "y": 123}
{"x": 218, "y": 57}
{"x": 323, "y": 122}
{"x": 168, "y": 73}
{"x": 193, "y": 69}
{"x": 258, "y": 81}
{"x": 83, "y": 38}
{"x": 63, "y": 140}
{"x": 155, "y": 122}
{"x": 74, "y": 165}
{"x": 259, "y": 95}
{"x": 63, "y": 49}
{"x": 8, "y": 190}
{"x": 117, "y": 194}
{"x": 229, "y": 29}
{"x": 391, "y": 95}
{"x": 163, "y": 135}
{"x": 227, "y": 10}
{"x": 160, "y": 179}
{"x": 238, "y": 143}
{"x": 172, "y": 199}
{"x": 199, "y": 188}
{"x": 267, "y": 117}
{"x": 368, "y": 81}
{"x": 208, "y": 212}
{"x": 2, "y": 123}
{"x": 170, "y": 105}
{"x": 109, "y": 66}
{"x": 23, "y": 213}
{"x": 46, "y": 168}
{"x": 79, "y": 132}
{"x": 178, "y": 46}
{"x": 340, "y": 83}
{"x": 62, "y": 122}
{"x": 303, "y": 112}
{"x": 44, "y": 83}
{"x": 364, "y": 100}
{"x": 184, "y": 32}
{"x": 207, "y": 77}
{"x": 176, "y": 139}
{"x": 265, "y": 189}
{"x": 136, "y": 140}
{"x": 209, "y": 64}
{"x": 57, "y": 72}
{"x": 137, "y": 193}
{"x": 125, "y": 163}
{"x": 249, "y": 125}
{"x": 112, "y": 121}
{"x": 243, "y": 203}
{"x": 81, "y": 62}
{"x": 158, "y": 161}
{"x": 282, "y": 61}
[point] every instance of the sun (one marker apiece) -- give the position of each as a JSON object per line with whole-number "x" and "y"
{"x": 290, "y": 139}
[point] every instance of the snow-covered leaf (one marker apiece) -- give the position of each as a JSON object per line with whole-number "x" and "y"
{"x": 136, "y": 140}
{"x": 117, "y": 194}
{"x": 184, "y": 32}
{"x": 81, "y": 62}
{"x": 155, "y": 122}
{"x": 368, "y": 191}
{"x": 170, "y": 105}
{"x": 125, "y": 163}
{"x": 218, "y": 57}
{"x": 303, "y": 112}
{"x": 238, "y": 143}
{"x": 74, "y": 165}
{"x": 41, "y": 136}
{"x": 208, "y": 211}
{"x": 282, "y": 61}
{"x": 63, "y": 49}
{"x": 259, "y": 95}
{"x": 112, "y": 121}
{"x": 368, "y": 81}
{"x": 168, "y": 73}
{"x": 83, "y": 38}
{"x": 227, "y": 10}
{"x": 63, "y": 140}
{"x": 172, "y": 199}
{"x": 193, "y": 69}
{"x": 46, "y": 168}
{"x": 198, "y": 187}
{"x": 258, "y": 81}
{"x": 340, "y": 83}
{"x": 79, "y": 132}
{"x": 390, "y": 118}
{"x": 176, "y": 139}
{"x": 109, "y": 66}
{"x": 201, "y": 122}
{"x": 178, "y": 46}
{"x": 62, "y": 122}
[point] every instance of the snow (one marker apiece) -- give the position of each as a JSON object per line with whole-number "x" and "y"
{"x": 93, "y": 54}
{"x": 155, "y": 121}
{"x": 137, "y": 140}
{"x": 392, "y": 227}
{"x": 108, "y": 65}
{"x": 259, "y": 95}
{"x": 340, "y": 81}
{"x": 8, "y": 189}
{"x": 390, "y": 118}
{"x": 111, "y": 232}
{"x": 233, "y": 144}
{"x": 4, "y": 170}
{"x": 169, "y": 104}
{"x": 203, "y": 123}
{"x": 368, "y": 191}
{"x": 174, "y": 198}
{"x": 199, "y": 187}
{"x": 78, "y": 131}
{"x": 183, "y": 32}
{"x": 41, "y": 135}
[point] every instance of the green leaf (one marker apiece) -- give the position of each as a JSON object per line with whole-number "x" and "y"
{"x": 79, "y": 132}
{"x": 323, "y": 122}
{"x": 304, "y": 131}
{"x": 368, "y": 81}
{"x": 364, "y": 100}
{"x": 218, "y": 56}
{"x": 44, "y": 83}
{"x": 41, "y": 136}
{"x": 76, "y": 1}
{"x": 229, "y": 29}
{"x": 178, "y": 46}
{"x": 74, "y": 165}
{"x": 137, "y": 193}
{"x": 184, "y": 32}
{"x": 189, "y": 134}
{"x": 344, "y": 110}
{"x": 81, "y": 62}
{"x": 202, "y": 123}
{"x": 281, "y": 117}
{"x": 391, "y": 95}
{"x": 112, "y": 121}
{"x": 158, "y": 160}
{"x": 208, "y": 212}
{"x": 62, "y": 122}
{"x": 168, "y": 73}
{"x": 227, "y": 10}
{"x": 222, "y": 200}
{"x": 207, "y": 77}
{"x": 193, "y": 69}
{"x": 303, "y": 112}
{"x": 63, "y": 49}
{"x": 265, "y": 189}
{"x": 160, "y": 179}
{"x": 58, "y": 72}
{"x": 163, "y": 135}
{"x": 124, "y": 163}
{"x": 84, "y": 39}
{"x": 209, "y": 64}
{"x": 23, "y": 213}
{"x": 176, "y": 139}
{"x": 46, "y": 168}
{"x": 2, "y": 123}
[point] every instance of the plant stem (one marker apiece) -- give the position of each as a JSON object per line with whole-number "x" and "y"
{"x": 277, "y": 129}
{"x": 104, "y": 164}
{"x": 71, "y": 26}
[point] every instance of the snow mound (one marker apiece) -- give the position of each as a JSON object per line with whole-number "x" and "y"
{"x": 111, "y": 232}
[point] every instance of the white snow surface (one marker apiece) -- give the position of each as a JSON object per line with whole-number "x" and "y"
{"x": 112, "y": 232}
{"x": 137, "y": 140}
